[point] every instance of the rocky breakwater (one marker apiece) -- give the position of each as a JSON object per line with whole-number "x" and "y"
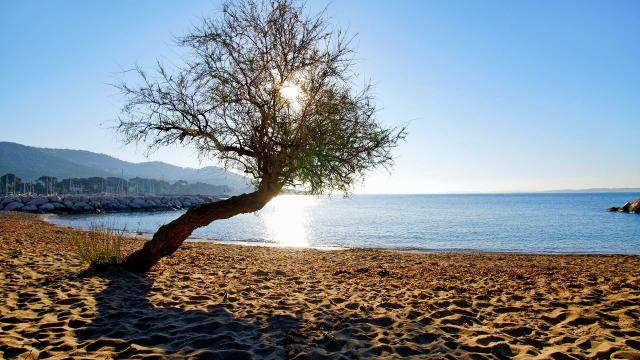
{"x": 632, "y": 207}
{"x": 76, "y": 204}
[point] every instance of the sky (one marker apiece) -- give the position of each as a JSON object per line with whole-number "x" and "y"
{"x": 498, "y": 96}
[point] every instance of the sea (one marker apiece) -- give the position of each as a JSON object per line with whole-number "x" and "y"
{"x": 523, "y": 223}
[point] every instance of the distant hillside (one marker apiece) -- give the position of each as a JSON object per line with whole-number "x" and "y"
{"x": 30, "y": 162}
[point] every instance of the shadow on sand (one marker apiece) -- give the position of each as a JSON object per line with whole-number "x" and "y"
{"x": 133, "y": 326}
{"x": 130, "y": 324}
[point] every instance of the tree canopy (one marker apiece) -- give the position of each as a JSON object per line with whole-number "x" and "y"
{"x": 270, "y": 91}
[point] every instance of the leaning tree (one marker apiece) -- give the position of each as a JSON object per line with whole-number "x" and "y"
{"x": 267, "y": 90}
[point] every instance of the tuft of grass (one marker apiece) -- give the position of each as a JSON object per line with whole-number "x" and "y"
{"x": 101, "y": 247}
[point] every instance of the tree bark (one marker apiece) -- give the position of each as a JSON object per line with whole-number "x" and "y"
{"x": 170, "y": 236}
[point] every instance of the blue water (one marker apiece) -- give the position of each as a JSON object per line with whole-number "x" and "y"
{"x": 537, "y": 223}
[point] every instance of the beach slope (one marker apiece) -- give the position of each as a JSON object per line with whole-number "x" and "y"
{"x": 222, "y": 301}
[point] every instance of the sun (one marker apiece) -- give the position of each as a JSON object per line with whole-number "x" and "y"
{"x": 291, "y": 92}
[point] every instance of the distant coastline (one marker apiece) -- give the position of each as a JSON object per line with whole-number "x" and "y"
{"x": 595, "y": 190}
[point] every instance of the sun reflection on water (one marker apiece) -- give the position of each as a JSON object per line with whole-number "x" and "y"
{"x": 287, "y": 219}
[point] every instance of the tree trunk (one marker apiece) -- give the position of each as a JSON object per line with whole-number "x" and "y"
{"x": 170, "y": 236}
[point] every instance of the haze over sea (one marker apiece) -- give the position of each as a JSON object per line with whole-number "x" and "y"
{"x": 530, "y": 223}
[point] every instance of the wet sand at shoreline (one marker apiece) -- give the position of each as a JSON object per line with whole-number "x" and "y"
{"x": 228, "y": 301}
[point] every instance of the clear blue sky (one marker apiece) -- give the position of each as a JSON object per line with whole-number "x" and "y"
{"x": 499, "y": 95}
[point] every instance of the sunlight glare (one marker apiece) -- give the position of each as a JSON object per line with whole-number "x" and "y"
{"x": 291, "y": 92}
{"x": 287, "y": 220}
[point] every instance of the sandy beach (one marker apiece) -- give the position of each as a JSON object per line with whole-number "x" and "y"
{"x": 222, "y": 301}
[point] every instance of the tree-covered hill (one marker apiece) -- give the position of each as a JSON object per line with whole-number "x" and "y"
{"x": 30, "y": 163}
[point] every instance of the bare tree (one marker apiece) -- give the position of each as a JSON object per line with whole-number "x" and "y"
{"x": 268, "y": 90}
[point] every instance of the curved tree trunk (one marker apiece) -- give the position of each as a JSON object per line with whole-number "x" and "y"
{"x": 170, "y": 236}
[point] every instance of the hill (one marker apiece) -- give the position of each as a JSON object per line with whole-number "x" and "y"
{"x": 30, "y": 162}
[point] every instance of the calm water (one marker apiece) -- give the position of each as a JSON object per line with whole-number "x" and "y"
{"x": 565, "y": 223}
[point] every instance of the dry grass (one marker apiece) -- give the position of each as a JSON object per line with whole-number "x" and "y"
{"x": 101, "y": 247}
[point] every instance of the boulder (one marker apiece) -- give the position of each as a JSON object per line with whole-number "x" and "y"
{"x": 632, "y": 207}
{"x": 58, "y": 205}
{"x": 25, "y": 198}
{"x": 29, "y": 208}
{"x": 47, "y": 207}
{"x": 137, "y": 203}
{"x": 54, "y": 198}
{"x": 82, "y": 207}
{"x": 38, "y": 201}
{"x": 625, "y": 207}
{"x": 8, "y": 200}
{"x": 14, "y": 205}
{"x": 110, "y": 206}
{"x": 90, "y": 203}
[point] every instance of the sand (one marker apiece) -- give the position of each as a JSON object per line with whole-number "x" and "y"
{"x": 221, "y": 301}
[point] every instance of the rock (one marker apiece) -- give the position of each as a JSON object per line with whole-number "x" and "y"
{"x": 24, "y": 199}
{"x": 82, "y": 207}
{"x": 110, "y": 206}
{"x": 8, "y": 200}
{"x": 29, "y": 208}
{"x": 632, "y": 207}
{"x": 12, "y": 206}
{"x": 92, "y": 203}
{"x": 58, "y": 205}
{"x": 625, "y": 207}
{"x": 138, "y": 203}
{"x": 38, "y": 201}
{"x": 47, "y": 207}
